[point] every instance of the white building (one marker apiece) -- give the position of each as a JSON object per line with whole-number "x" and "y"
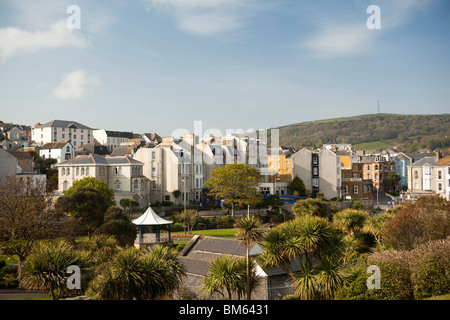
{"x": 122, "y": 174}
{"x": 62, "y": 130}
{"x": 111, "y": 139}
{"x": 59, "y": 150}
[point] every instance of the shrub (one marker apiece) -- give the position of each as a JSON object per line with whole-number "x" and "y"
{"x": 430, "y": 269}
{"x": 395, "y": 275}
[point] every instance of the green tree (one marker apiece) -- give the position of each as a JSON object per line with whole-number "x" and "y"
{"x": 249, "y": 229}
{"x": 188, "y": 219}
{"x": 234, "y": 183}
{"x": 375, "y": 224}
{"x": 135, "y": 274}
{"x": 176, "y": 194}
{"x": 46, "y": 267}
{"x": 315, "y": 207}
{"x": 390, "y": 183}
{"x": 297, "y": 187}
{"x": 426, "y": 219}
{"x": 350, "y": 221}
{"x": 129, "y": 205}
{"x": 117, "y": 224}
{"x": 85, "y": 204}
{"x": 97, "y": 184}
{"x": 225, "y": 273}
{"x": 316, "y": 244}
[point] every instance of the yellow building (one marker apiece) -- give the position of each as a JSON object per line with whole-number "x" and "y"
{"x": 280, "y": 163}
{"x": 353, "y": 184}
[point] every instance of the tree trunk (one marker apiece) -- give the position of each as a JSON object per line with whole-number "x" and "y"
{"x": 249, "y": 291}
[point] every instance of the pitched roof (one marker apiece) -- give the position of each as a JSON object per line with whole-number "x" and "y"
{"x": 95, "y": 159}
{"x": 64, "y": 123}
{"x": 120, "y": 134}
{"x": 418, "y": 156}
{"x": 432, "y": 161}
{"x": 445, "y": 161}
{"x": 54, "y": 145}
{"x": 201, "y": 250}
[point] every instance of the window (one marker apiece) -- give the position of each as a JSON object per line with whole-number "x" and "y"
{"x": 439, "y": 174}
{"x": 82, "y": 171}
{"x": 315, "y": 182}
{"x": 136, "y": 185}
{"x": 153, "y": 185}
{"x": 416, "y": 174}
{"x": 315, "y": 172}
{"x": 355, "y": 190}
{"x": 117, "y": 185}
{"x": 65, "y": 185}
{"x": 376, "y": 167}
{"x": 287, "y": 168}
{"x": 153, "y": 154}
{"x": 153, "y": 171}
{"x": 68, "y": 171}
{"x": 78, "y": 171}
{"x": 345, "y": 189}
{"x": 87, "y": 171}
{"x": 439, "y": 186}
{"x": 167, "y": 198}
{"x": 116, "y": 171}
{"x": 63, "y": 136}
{"x": 315, "y": 160}
{"x": 63, "y": 171}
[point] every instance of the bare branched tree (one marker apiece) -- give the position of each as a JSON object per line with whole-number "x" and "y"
{"x": 26, "y": 214}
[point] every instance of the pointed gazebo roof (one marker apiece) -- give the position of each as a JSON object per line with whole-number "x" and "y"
{"x": 150, "y": 218}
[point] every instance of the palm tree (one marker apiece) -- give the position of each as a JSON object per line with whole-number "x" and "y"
{"x": 224, "y": 273}
{"x": 249, "y": 229}
{"x": 317, "y": 246}
{"x": 162, "y": 272}
{"x": 46, "y": 267}
{"x": 350, "y": 221}
{"x": 375, "y": 225}
{"x": 133, "y": 274}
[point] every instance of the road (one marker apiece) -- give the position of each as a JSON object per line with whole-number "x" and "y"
{"x": 15, "y": 294}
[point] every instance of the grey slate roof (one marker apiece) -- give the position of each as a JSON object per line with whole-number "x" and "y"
{"x": 95, "y": 159}
{"x": 432, "y": 161}
{"x": 63, "y": 123}
{"x": 200, "y": 251}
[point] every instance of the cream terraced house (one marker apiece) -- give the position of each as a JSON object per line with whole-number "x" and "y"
{"x": 122, "y": 174}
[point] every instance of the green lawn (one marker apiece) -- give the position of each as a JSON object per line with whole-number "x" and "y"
{"x": 214, "y": 232}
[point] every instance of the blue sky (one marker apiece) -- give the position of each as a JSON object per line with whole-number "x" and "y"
{"x": 160, "y": 65}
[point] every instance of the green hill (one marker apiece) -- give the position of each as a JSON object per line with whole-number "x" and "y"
{"x": 372, "y": 131}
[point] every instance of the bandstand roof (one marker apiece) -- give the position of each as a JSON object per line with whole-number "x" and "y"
{"x": 150, "y": 218}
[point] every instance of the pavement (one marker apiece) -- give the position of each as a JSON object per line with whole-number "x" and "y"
{"x": 15, "y": 294}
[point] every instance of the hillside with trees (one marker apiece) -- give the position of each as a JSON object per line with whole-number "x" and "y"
{"x": 408, "y": 133}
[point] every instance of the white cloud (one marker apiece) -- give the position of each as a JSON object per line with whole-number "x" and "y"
{"x": 340, "y": 40}
{"x": 15, "y": 40}
{"x": 75, "y": 84}
{"x": 353, "y": 37}
{"x": 201, "y": 17}
{"x": 207, "y": 24}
